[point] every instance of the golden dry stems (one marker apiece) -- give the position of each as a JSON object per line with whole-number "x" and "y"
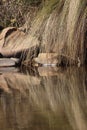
{"x": 60, "y": 27}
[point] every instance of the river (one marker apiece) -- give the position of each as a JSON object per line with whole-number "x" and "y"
{"x": 44, "y": 98}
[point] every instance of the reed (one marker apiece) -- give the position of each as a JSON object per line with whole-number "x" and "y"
{"x": 60, "y": 26}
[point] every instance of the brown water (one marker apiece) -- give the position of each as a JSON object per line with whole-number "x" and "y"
{"x": 43, "y": 99}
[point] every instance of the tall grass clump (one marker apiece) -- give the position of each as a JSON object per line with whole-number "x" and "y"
{"x": 60, "y": 26}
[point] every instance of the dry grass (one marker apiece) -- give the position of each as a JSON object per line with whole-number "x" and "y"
{"x": 15, "y": 12}
{"x": 60, "y": 27}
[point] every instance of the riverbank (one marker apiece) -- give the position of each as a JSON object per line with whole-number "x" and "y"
{"x": 59, "y": 28}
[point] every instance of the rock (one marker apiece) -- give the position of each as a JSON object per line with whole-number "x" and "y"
{"x": 16, "y": 60}
{"x": 5, "y": 33}
{"x": 47, "y": 59}
{"x": 6, "y": 62}
{"x": 15, "y": 43}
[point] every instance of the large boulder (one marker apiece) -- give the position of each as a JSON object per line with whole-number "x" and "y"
{"x": 47, "y": 59}
{"x": 15, "y": 43}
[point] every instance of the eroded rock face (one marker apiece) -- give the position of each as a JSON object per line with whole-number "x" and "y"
{"x": 10, "y": 45}
{"x": 48, "y": 59}
{"x": 5, "y": 33}
{"x": 15, "y": 43}
{"x": 10, "y": 38}
{"x": 6, "y": 62}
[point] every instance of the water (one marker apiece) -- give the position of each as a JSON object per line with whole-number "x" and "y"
{"x": 43, "y": 99}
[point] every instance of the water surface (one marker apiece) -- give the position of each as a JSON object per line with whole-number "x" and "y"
{"x": 43, "y": 98}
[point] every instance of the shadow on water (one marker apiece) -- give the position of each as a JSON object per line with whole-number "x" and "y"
{"x": 53, "y": 99}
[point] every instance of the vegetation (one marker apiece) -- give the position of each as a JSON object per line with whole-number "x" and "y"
{"x": 15, "y": 12}
{"x": 59, "y": 26}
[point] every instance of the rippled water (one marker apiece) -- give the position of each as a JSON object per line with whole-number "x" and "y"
{"x": 43, "y": 99}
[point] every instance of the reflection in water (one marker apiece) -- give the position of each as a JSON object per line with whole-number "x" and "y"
{"x": 51, "y": 100}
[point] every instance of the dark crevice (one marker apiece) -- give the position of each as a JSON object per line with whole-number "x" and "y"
{"x": 85, "y": 47}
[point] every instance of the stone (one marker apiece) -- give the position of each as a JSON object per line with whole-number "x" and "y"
{"x": 15, "y": 43}
{"x": 47, "y": 59}
{"x": 5, "y": 62}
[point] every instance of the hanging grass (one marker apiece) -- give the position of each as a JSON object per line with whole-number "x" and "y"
{"x": 60, "y": 27}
